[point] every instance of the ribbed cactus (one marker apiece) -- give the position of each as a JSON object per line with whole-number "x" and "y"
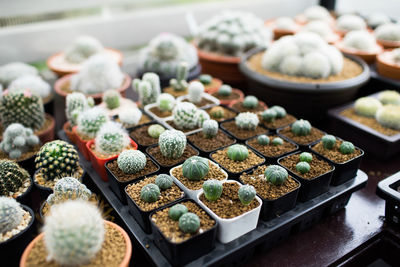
{"x": 68, "y": 188}
{"x": 112, "y": 98}
{"x": 210, "y": 128}
{"x": 185, "y": 115}
{"x": 25, "y": 108}
{"x": 82, "y": 48}
{"x": 179, "y": 83}
{"x": 17, "y": 140}
{"x": 148, "y": 88}
{"x": 301, "y": 127}
{"x": 13, "y": 70}
{"x": 90, "y": 122}
{"x": 196, "y": 91}
{"x": 12, "y": 177}
{"x": 165, "y": 102}
{"x": 247, "y": 121}
{"x": 11, "y": 214}
{"x": 246, "y": 194}
{"x": 111, "y": 139}
{"x": 155, "y": 130}
{"x": 201, "y": 116}
{"x": 172, "y": 143}
{"x": 75, "y": 103}
{"x": 73, "y": 232}
{"x": 131, "y": 161}
{"x": 130, "y": 116}
{"x": 32, "y": 82}
{"x": 57, "y": 159}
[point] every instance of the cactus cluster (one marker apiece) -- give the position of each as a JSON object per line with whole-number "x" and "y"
{"x": 321, "y": 28}
{"x": 34, "y": 83}
{"x": 90, "y": 122}
{"x": 210, "y": 128}
{"x": 112, "y": 98}
{"x": 350, "y": 22}
{"x": 389, "y": 116}
{"x": 180, "y": 82}
{"x": 17, "y": 140}
{"x": 185, "y": 115}
{"x": 164, "y": 181}
{"x": 11, "y": 214}
{"x": 172, "y": 143}
{"x": 388, "y": 32}
{"x": 285, "y": 23}
{"x": 237, "y": 152}
{"x": 246, "y": 194}
{"x": 247, "y": 121}
{"x": 73, "y": 232}
{"x": 111, "y": 139}
{"x": 274, "y": 112}
{"x": 150, "y": 193}
{"x": 376, "y": 19}
{"x": 82, "y": 48}
{"x": 304, "y": 54}
{"x": 389, "y": 97}
{"x": 12, "y": 177}
{"x": 22, "y": 107}
{"x": 14, "y": 70}
{"x": 195, "y": 168}
{"x": 130, "y": 116}
{"x": 57, "y": 159}
{"x": 155, "y": 130}
{"x": 317, "y": 13}
{"x": 367, "y": 106}
{"x": 165, "y": 102}
{"x": 212, "y": 189}
{"x": 75, "y": 103}
{"x": 301, "y": 127}
{"x": 131, "y": 161}
{"x": 176, "y": 211}
{"x": 276, "y": 175}
{"x": 68, "y": 188}
{"x": 360, "y": 40}
{"x": 148, "y": 88}
{"x": 195, "y": 92}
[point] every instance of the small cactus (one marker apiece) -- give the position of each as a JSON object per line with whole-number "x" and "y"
{"x": 237, "y": 152}
{"x": 346, "y": 148}
{"x": 180, "y": 84}
{"x": 367, "y": 106}
{"x": 111, "y": 139}
{"x": 316, "y": 13}
{"x": 269, "y": 115}
{"x": 217, "y": 112}
{"x": 328, "y": 141}
{"x": 201, "y": 116}
{"x": 14, "y": 70}
{"x": 306, "y": 157}
{"x": 11, "y": 214}
{"x": 90, "y": 122}
{"x": 389, "y": 116}
{"x": 75, "y": 104}
{"x": 164, "y": 181}
{"x": 32, "y": 82}
{"x": 389, "y": 97}
{"x": 82, "y": 48}
{"x": 17, "y": 140}
{"x": 12, "y": 177}
{"x": 277, "y": 141}
{"x": 212, "y": 189}
{"x": 360, "y": 40}
{"x": 225, "y": 90}
{"x": 276, "y": 175}
{"x": 165, "y": 102}
{"x": 263, "y": 140}
{"x": 303, "y": 167}
{"x": 131, "y": 161}
{"x": 176, "y": 211}
{"x": 172, "y": 143}
{"x": 155, "y": 130}
{"x": 301, "y": 127}
{"x": 196, "y": 91}
{"x": 250, "y": 102}
{"x": 246, "y": 194}
{"x": 210, "y": 128}
{"x": 205, "y": 79}
{"x": 388, "y": 32}
{"x": 112, "y": 98}
{"x": 185, "y": 115}
{"x": 350, "y": 22}
{"x": 195, "y": 168}
{"x": 130, "y": 116}
{"x": 247, "y": 121}
{"x": 150, "y": 193}
{"x": 189, "y": 222}
{"x": 68, "y": 188}
{"x": 280, "y": 111}
{"x": 148, "y": 88}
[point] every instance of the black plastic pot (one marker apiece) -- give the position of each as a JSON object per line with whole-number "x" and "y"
{"x": 304, "y": 147}
{"x": 26, "y": 197}
{"x": 272, "y": 129}
{"x": 49, "y": 105}
{"x": 28, "y": 164}
{"x": 140, "y": 145}
{"x": 240, "y": 139}
{"x": 117, "y": 186}
{"x": 306, "y": 100}
{"x": 388, "y": 190}
{"x": 314, "y": 187}
{"x": 225, "y": 107}
{"x": 205, "y": 153}
{"x": 181, "y": 253}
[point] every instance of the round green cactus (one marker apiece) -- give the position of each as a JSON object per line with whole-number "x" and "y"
{"x": 237, "y": 152}
{"x": 112, "y": 99}
{"x": 164, "y": 181}
{"x": 111, "y": 139}
{"x": 301, "y": 127}
{"x": 247, "y": 121}
{"x": 155, "y": 130}
{"x": 269, "y": 115}
{"x": 263, "y": 140}
{"x": 205, "y": 79}
{"x": 367, "y": 106}
{"x": 131, "y": 161}
{"x": 189, "y": 223}
{"x": 217, "y": 112}
{"x": 195, "y": 168}
{"x": 389, "y": 116}
{"x": 277, "y": 141}
{"x": 276, "y": 174}
{"x": 306, "y": 157}
{"x": 303, "y": 167}
{"x": 210, "y": 128}
{"x": 212, "y": 189}
{"x": 172, "y": 143}
{"x": 225, "y": 90}
{"x": 389, "y": 97}
{"x": 246, "y": 194}
{"x": 68, "y": 188}
{"x": 150, "y": 193}
{"x": 280, "y": 111}
{"x": 165, "y": 102}
{"x": 11, "y": 214}
{"x": 176, "y": 211}
{"x": 12, "y": 177}
{"x": 346, "y": 148}
{"x": 250, "y": 102}
{"x": 328, "y": 141}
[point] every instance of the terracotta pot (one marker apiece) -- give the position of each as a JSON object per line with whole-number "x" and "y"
{"x": 229, "y": 102}
{"x": 389, "y": 44}
{"x": 74, "y": 68}
{"x": 81, "y": 144}
{"x": 369, "y": 57}
{"x": 125, "y": 260}
{"x": 98, "y": 163}
{"x": 68, "y": 131}
{"x": 48, "y": 134}
{"x": 278, "y": 33}
{"x": 387, "y": 69}
{"x": 213, "y": 86}
{"x": 60, "y": 83}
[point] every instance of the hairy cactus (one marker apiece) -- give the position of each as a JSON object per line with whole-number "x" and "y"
{"x": 328, "y": 141}
{"x": 24, "y": 108}
{"x": 130, "y": 116}
{"x": 303, "y": 167}
{"x": 201, "y": 116}
{"x": 367, "y": 106}
{"x": 263, "y": 140}
{"x": 301, "y": 127}
{"x": 388, "y": 32}
{"x": 12, "y": 177}
{"x": 17, "y": 140}
{"x": 184, "y": 115}
{"x": 346, "y": 147}
{"x": 176, "y": 211}
{"x": 97, "y": 75}
{"x": 210, "y": 128}
{"x": 75, "y": 103}
{"x": 195, "y": 168}
{"x": 57, "y": 159}
{"x": 280, "y": 111}
{"x": 360, "y": 40}
{"x": 189, "y": 222}
{"x": 172, "y": 143}
{"x": 212, "y": 189}
{"x": 14, "y": 70}
{"x": 11, "y": 214}
{"x": 276, "y": 175}
{"x": 196, "y": 90}
{"x": 217, "y": 112}
{"x": 306, "y": 157}
{"x": 68, "y": 188}
{"x": 250, "y": 102}
{"x": 376, "y": 19}
{"x": 316, "y": 13}
{"x": 246, "y": 194}
{"x": 269, "y": 115}
{"x": 277, "y": 141}
{"x": 225, "y": 90}
{"x": 82, "y": 48}
{"x": 112, "y": 98}
{"x": 150, "y": 193}
{"x": 164, "y": 181}
{"x": 285, "y": 23}
{"x": 155, "y": 130}
{"x": 32, "y": 82}
{"x": 73, "y": 232}
{"x": 148, "y": 88}
{"x": 321, "y": 28}
{"x": 350, "y": 22}
{"x": 111, "y": 139}
{"x": 237, "y": 152}
{"x": 165, "y": 102}
{"x": 179, "y": 83}
{"x": 205, "y": 79}
{"x": 389, "y": 97}
{"x": 247, "y": 121}
{"x": 90, "y": 122}
{"x": 131, "y": 161}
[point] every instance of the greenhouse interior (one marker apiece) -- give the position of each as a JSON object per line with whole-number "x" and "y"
{"x": 200, "y": 133}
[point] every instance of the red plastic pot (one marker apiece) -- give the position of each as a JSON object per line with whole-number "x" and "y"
{"x": 81, "y": 144}
{"x": 68, "y": 131}
{"x": 387, "y": 68}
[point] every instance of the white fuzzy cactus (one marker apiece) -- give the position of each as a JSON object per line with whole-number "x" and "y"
{"x": 131, "y": 161}
{"x": 322, "y": 28}
{"x": 184, "y": 114}
{"x": 388, "y": 32}
{"x": 130, "y": 116}
{"x": 98, "y": 74}
{"x": 17, "y": 140}
{"x": 82, "y": 48}
{"x": 389, "y": 97}
{"x": 68, "y": 188}
{"x": 367, "y": 106}
{"x": 350, "y": 22}
{"x": 210, "y": 128}
{"x": 90, "y": 121}
{"x": 196, "y": 91}
{"x": 316, "y": 13}
{"x": 376, "y": 19}
{"x": 360, "y": 40}
{"x": 111, "y": 139}
{"x": 11, "y": 214}
{"x": 389, "y": 116}
{"x": 285, "y": 23}
{"x": 247, "y": 121}
{"x": 75, "y": 103}
{"x": 14, "y": 70}
{"x": 395, "y": 54}
{"x": 201, "y": 116}
{"x": 148, "y": 88}
{"x": 165, "y": 102}
{"x": 73, "y": 232}
{"x": 33, "y": 82}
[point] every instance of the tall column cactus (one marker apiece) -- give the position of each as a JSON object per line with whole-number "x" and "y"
{"x": 180, "y": 83}
{"x": 75, "y": 104}
{"x": 12, "y": 178}
{"x": 148, "y": 88}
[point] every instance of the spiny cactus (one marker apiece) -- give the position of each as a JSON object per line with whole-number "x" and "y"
{"x": 130, "y": 116}
{"x": 172, "y": 143}
{"x": 24, "y": 108}
{"x": 328, "y": 141}
{"x": 306, "y": 157}
{"x": 155, "y": 130}
{"x": 68, "y": 188}
{"x": 184, "y": 115}
{"x": 389, "y": 97}
{"x": 246, "y": 194}
{"x": 389, "y": 116}
{"x": 189, "y": 222}
{"x": 217, "y": 112}
{"x": 201, "y": 116}
{"x": 32, "y": 82}
{"x": 247, "y": 121}
{"x": 303, "y": 167}
{"x": 367, "y": 106}
{"x": 164, "y": 181}
{"x": 148, "y": 88}
{"x": 237, "y": 152}
{"x": 212, "y": 189}
{"x": 195, "y": 168}
{"x": 388, "y": 32}
{"x": 12, "y": 177}
{"x": 131, "y": 161}
{"x": 346, "y": 147}
{"x": 73, "y": 232}
{"x": 57, "y": 159}
{"x": 301, "y": 127}
{"x": 360, "y": 40}
{"x": 321, "y": 28}
{"x": 285, "y": 23}
{"x": 196, "y": 91}
{"x": 90, "y": 122}
{"x": 176, "y": 211}
{"x": 276, "y": 175}
{"x": 350, "y": 22}
{"x": 165, "y": 102}
{"x": 179, "y": 83}
{"x": 75, "y": 103}
{"x": 376, "y": 19}
{"x": 210, "y": 128}
{"x": 150, "y": 193}
{"x": 111, "y": 139}
{"x": 112, "y": 98}
{"x": 17, "y": 140}
{"x": 250, "y": 102}
{"x": 13, "y": 70}
{"x": 316, "y": 13}
{"x": 82, "y": 48}
{"x": 11, "y": 214}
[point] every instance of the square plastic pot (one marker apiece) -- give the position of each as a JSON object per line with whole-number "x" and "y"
{"x": 227, "y": 119}
{"x": 387, "y": 189}
{"x": 314, "y": 187}
{"x": 204, "y": 153}
{"x": 238, "y": 138}
{"x": 230, "y": 101}
{"x": 118, "y": 187}
{"x": 304, "y": 147}
{"x": 169, "y": 127}
{"x": 98, "y": 163}
{"x": 140, "y": 145}
{"x": 148, "y": 108}
{"x": 230, "y": 229}
{"x": 215, "y": 101}
{"x": 81, "y": 144}
{"x": 182, "y": 253}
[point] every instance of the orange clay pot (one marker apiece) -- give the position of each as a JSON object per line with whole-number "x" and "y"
{"x": 68, "y": 131}
{"x": 213, "y": 86}
{"x": 80, "y": 143}
{"x": 387, "y": 69}
{"x": 278, "y": 33}
{"x": 389, "y": 44}
{"x": 369, "y": 57}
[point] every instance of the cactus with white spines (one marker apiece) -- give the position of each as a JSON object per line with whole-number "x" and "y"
{"x": 111, "y": 139}
{"x": 130, "y": 116}
{"x": 350, "y": 22}
{"x": 11, "y": 214}
{"x": 201, "y": 116}
{"x": 165, "y": 102}
{"x": 32, "y": 82}
{"x": 131, "y": 161}
{"x": 172, "y": 143}
{"x": 155, "y": 130}
{"x": 247, "y": 121}
{"x": 17, "y": 140}
{"x": 360, "y": 40}
{"x": 376, "y": 19}
{"x": 82, "y": 48}
{"x": 148, "y": 88}
{"x": 180, "y": 82}
{"x": 112, "y": 98}
{"x": 90, "y": 122}
{"x": 323, "y": 29}
{"x": 210, "y": 128}
{"x": 196, "y": 91}
{"x": 316, "y": 13}
{"x": 14, "y": 70}
{"x": 389, "y": 116}
{"x": 75, "y": 103}
{"x": 388, "y": 32}
{"x": 367, "y": 106}
{"x": 389, "y": 97}
{"x": 68, "y": 188}
{"x": 184, "y": 114}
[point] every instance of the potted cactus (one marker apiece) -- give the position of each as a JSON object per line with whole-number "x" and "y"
{"x": 349, "y": 22}
{"x": 315, "y": 13}
{"x": 193, "y": 172}
{"x": 15, "y": 181}
{"x": 211, "y": 84}
{"x": 228, "y": 95}
{"x": 91, "y": 238}
{"x": 16, "y": 228}
{"x": 388, "y": 63}
{"x": 234, "y": 206}
{"x": 197, "y": 96}
{"x": 14, "y": 70}
{"x": 244, "y": 126}
{"x": 162, "y": 108}
{"x": 27, "y": 109}
{"x": 110, "y": 141}
{"x": 282, "y": 26}
{"x": 148, "y": 88}
{"x": 275, "y": 117}
{"x": 178, "y": 86}
{"x": 132, "y": 117}
{"x": 271, "y": 146}
{"x": 147, "y": 134}
{"x": 249, "y": 104}
{"x": 323, "y": 29}
{"x": 149, "y": 194}
{"x": 313, "y": 172}
{"x": 130, "y": 165}
{"x": 277, "y": 190}
{"x": 183, "y": 239}
{"x": 221, "y": 113}
{"x": 302, "y": 133}
{"x": 210, "y": 138}
{"x": 187, "y": 118}
{"x": 388, "y": 35}
{"x": 114, "y": 103}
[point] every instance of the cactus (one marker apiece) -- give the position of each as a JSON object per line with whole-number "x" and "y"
{"x": 263, "y": 140}
{"x": 376, "y": 19}
{"x": 237, "y": 152}
{"x": 212, "y": 189}
{"x": 165, "y": 102}
{"x": 57, "y": 159}
{"x": 180, "y": 84}
{"x": 195, "y": 168}
{"x": 225, "y": 90}
{"x": 306, "y": 157}
{"x": 164, "y": 181}
{"x": 14, "y": 70}
{"x": 11, "y": 214}
{"x": 285, "y": 23}
{"x": 131, "y": 161}
{"x": 269, "y": 115}
{"x": 75, "y": 104}
{"x": 210, "y": 128}
{"x": 150, "y": 193}
{"x": 350, "y": 22}
{"x": 24, "y": 108}
{"x": 346, "y": 148}
{"x": 68, "y": 188}
{"x": 73, "y": 232}
{"x": 111, "y": 139}
{"x": 189, "y": 222}
{"x": 205, "y": 79}
{"x": 155, "y": 130}
{"x": 17, "y": 140}
{"x": 280, "y": 111}
{"x": 360, "y": 40}
{"x": 90, "y": 122}
{"x": 12, "y": 177}
{"x": 303, "y": 167}
{"x": 389, "y": 97}
{"x": 250, "y": 102}
{"x": 277, "y": 141}
{"x": 201, "y": 116}
{"x": 246, "y": 194}
{"x": 301, "y": 127}
{"x": 389, "y": 116}
{"x": 217, "y": 112}
{"x": 97, "y": 75}
{"x": 328, "y": 141}
{"x": 82, "y": 48}
{"x": 321, "y": 28}
{"x": 388, "y": 32}
{"x": 32, "y": 82}
{"x": 148, "y": 88}
{"x": 184, "y": 115}
{"x": 317, "y": 13}
{"x": 112, "y": 98}
{"x": 276, "y": 175}
{"x": 367, "y": 106}
{"x": 172, "y": 143}
{"x": 176, "y": 211}
{"x": 195, "y": 92}
{"x": 130, "y": 116}
{"x": 247, "y": 121}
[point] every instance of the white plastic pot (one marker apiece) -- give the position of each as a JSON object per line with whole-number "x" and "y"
{"x": 148, "y": 108}
{"x": 215, "y": 100}
{"x": 169, "y": 127}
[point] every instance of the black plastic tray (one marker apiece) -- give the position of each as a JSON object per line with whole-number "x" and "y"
{"x": 239, "y": 250}
{"x": 204, "y": 153}
{"x": 386, "y": 189}
{"x": 241, "y": 139}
